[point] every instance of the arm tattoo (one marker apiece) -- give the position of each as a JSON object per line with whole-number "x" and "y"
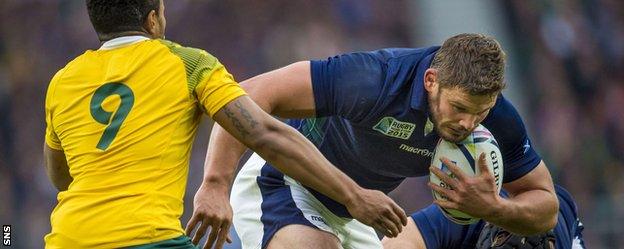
{"x": 246, "y": 114}
{"x": 237, "y": 124}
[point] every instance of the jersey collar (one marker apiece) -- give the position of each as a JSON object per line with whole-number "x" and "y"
{"x": 122, "y": 42}
{"x": 419, "y": 95}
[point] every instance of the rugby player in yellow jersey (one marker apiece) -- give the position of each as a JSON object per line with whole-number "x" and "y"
{"x": 120, "y": 124}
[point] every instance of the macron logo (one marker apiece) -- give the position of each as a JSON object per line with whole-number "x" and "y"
{"x": 417, "y": 151}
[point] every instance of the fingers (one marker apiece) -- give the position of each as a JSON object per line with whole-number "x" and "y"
{"x": 459, "y": 174}
{"x": 395, "y": 220}
{"x": 224, "y": 235}
{"x": 214, "y": 231}
{"x": 200, "y": 232}
{"x": 402, "y": 216}
{"x": 392, "y": 227}
{"x": 446, "y": 204}
{"x": 447, "y": 193}
{"x": 381, "y": 228}
{"x": 483, "y": 166}
{"x": 380, "y": 212}
{"x": 444, "y": 177}
{"x": 219, "y": 234}
{"x": 190, "y": 226}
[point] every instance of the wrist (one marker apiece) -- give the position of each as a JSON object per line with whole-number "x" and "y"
{"x": 216, "y": 182}
{"x": 352, "y": 196}
{"x": 501, "y": 209}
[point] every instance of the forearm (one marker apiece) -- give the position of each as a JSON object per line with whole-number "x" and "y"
{"x": 297, "y": 157}
{"x": 530, "y": 212}
{"x": 282, "y": 146}
{"x": 222, "y": 158}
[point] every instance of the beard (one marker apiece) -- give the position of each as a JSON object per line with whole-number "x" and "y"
{"x": 435, "y": 116}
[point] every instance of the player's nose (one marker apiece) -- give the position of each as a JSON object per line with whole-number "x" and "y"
{"x": 469, "y": 122}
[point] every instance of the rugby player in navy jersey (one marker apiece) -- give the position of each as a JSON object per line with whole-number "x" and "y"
{"x": 429, "y": 229}
{"x": 377, "y": 117}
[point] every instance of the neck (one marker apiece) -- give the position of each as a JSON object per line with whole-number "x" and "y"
{"x": 108, "y": 37}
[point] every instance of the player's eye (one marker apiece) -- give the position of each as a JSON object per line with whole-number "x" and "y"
{"x": 459, "y": 109}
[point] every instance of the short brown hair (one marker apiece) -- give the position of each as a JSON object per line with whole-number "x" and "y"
{"x": 471, "y": 62}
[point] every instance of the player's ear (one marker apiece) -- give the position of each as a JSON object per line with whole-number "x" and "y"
{"x": 430, "y": 80}
{"x": 151, "y": 24}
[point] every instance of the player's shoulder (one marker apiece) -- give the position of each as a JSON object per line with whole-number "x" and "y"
{"x": 187, "y": 53}
{"x": 198, "y": 63}
{"x": 506, "y": 124}
{"x": 195, "y": 60}
{"x": 75, "y": 64}
{"x": 370, "y": 66}
{"x": 407, "y": 53}
{"x": 503, "y": 115}
{"x": 395, "y": 54}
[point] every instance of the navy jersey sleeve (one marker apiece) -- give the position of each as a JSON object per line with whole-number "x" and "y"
{"x": 439, "y": 232}
{"x": 347, "y": 85}
{"x": 519, "y": 156}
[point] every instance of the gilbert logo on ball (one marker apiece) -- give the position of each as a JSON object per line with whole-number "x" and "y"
{"x": 465, "y": 155}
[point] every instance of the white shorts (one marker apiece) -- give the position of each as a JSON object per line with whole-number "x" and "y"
{"x": 264, "y": 200}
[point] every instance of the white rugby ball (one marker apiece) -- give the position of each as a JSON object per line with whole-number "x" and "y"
{"x": 465, "y": 154}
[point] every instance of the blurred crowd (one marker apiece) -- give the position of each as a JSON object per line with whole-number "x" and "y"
{"x": 38, "y": 37}
{"x": 571, "y": 57}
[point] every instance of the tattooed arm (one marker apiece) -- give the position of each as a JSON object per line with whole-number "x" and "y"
{"x": 286, "y": 92}
{"x": 282, "y": 146}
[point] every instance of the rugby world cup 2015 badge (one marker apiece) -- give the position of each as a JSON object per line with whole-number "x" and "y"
{"x": 392, "y": 127}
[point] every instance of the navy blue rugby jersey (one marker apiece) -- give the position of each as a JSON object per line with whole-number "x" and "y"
{"x": 372, "y": 120}
{"x": 439, "y": 232}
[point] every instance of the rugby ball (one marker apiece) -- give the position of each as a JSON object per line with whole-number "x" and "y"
{"x": 465, "y": 155}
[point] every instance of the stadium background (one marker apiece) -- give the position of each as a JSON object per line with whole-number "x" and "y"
{"x": 566, "y": 74}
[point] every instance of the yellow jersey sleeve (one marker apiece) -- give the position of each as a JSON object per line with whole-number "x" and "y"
{"x": 217, "y": 90}
{"x": 51, "y": 138}
{"x": 208, "y": 80}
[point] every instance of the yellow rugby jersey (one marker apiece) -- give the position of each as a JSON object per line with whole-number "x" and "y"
{"x": 125, "y": 119}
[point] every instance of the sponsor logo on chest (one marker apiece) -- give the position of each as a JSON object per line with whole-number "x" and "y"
{"x": 392, "y": 127}
{"x": 417, "y": 151}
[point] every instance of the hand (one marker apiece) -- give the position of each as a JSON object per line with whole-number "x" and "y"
{"x": 475, "y": 195}
{"x": 375, "y": 209}
{"x": 211, "y": 208}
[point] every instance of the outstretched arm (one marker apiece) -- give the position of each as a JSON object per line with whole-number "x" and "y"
{"x": 211, "y": 204}
{"x": 284, "y": 147}
{"x": 286, "y": 92}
